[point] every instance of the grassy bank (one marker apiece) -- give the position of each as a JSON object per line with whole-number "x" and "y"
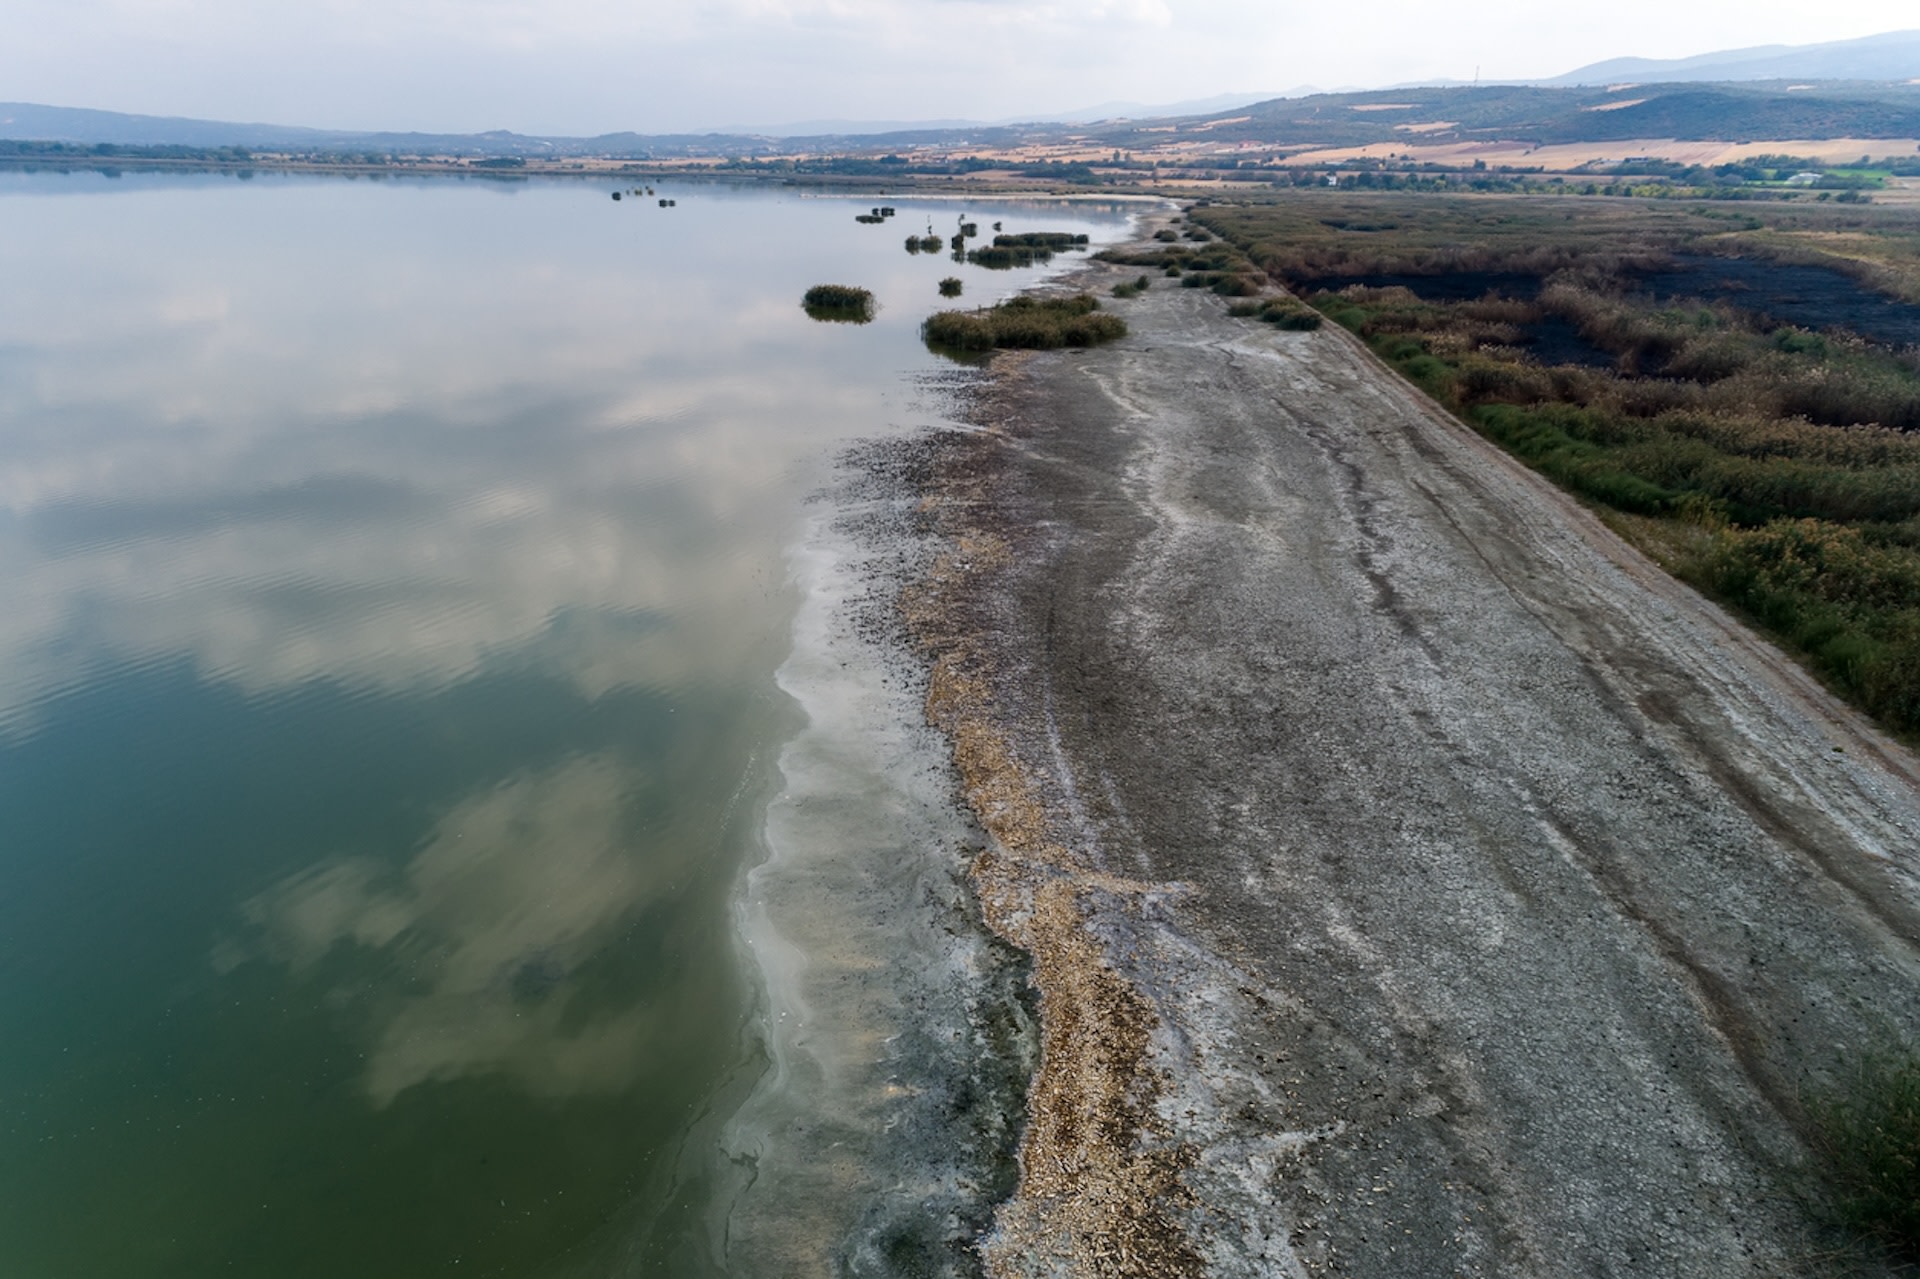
{"x": 1772, "y": 464}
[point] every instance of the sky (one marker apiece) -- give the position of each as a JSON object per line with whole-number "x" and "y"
{"x": 654, "y": 66}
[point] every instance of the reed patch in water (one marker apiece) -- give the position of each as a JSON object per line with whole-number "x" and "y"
{"x": 1024, "y": 322}
{"x": 841, "y": 303}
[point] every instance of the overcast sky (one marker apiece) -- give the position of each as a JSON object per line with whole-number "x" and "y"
{"x": 593, "y": 66}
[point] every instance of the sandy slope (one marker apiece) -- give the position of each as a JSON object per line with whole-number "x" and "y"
{"x": 1421, "y": 883}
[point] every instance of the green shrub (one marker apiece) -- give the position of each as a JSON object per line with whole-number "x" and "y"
{"x": 951, "y": 287}
{"x": 1852, "y": 605}
{"x": 1870, "y": 1144}
{"x": 1800, "y": 342}
{"x": 1023, "y": 322}
{"x": 1552, "y": 440}
{"x": 1285, "y": 313}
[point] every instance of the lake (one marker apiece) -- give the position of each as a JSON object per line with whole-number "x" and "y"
{"x": 452, "y": 823}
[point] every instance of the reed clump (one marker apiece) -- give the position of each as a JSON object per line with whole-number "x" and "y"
{"x": 1002, "y": 257}
{"x": 842, "y": 302}
{"x": 1055, "y": 240}
{"x": 1026, "y": 323}
{"x": 951, "y": 287}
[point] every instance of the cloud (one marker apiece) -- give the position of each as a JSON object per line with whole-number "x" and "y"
{"x": 587, "y": 66}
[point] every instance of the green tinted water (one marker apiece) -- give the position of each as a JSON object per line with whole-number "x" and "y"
{"x": 397, "y": 575}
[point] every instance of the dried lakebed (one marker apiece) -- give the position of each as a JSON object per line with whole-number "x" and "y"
{"x": 1418, "y": 881}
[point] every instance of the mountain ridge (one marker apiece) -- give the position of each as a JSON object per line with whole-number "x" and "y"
{"x": 1889, "y": 56}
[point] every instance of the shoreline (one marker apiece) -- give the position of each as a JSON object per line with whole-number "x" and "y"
{"x": 891, "y": 1028}
{"x": 851, "y": 187}
{"x": 1364, "y": 802}
{"x": 896, "y": 1027}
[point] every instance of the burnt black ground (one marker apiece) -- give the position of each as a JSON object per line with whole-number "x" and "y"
{"x": 1500, "y": 899}
{"x": 1773, "y": 293}
{"x": 1811, "y": 297}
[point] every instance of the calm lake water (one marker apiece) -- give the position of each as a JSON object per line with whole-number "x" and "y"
{"x": 415, "y": 629}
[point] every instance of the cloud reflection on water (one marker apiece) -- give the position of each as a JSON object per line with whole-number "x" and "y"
{"x": 368, "y": 464}
{"x": 377, "y": 442}
{"x": 483, "y": 933}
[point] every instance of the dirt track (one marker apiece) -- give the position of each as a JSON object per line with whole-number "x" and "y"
{"x": 1421, "y": 882}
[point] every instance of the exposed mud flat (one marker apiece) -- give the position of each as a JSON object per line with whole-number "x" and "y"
{"x": 1418, "y": 882}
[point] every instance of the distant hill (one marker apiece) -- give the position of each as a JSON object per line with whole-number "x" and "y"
{"x": 29, "y": 121}
{"x": 1078, "y": 115}
{"x": 1893, "y": 56}
{"x": 1722, "y": 112}
{"x": 1526, "y": 113}
{"x": 25, "y": 121}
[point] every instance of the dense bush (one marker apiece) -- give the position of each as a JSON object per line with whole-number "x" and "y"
{"x": 1851, "y": 602}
